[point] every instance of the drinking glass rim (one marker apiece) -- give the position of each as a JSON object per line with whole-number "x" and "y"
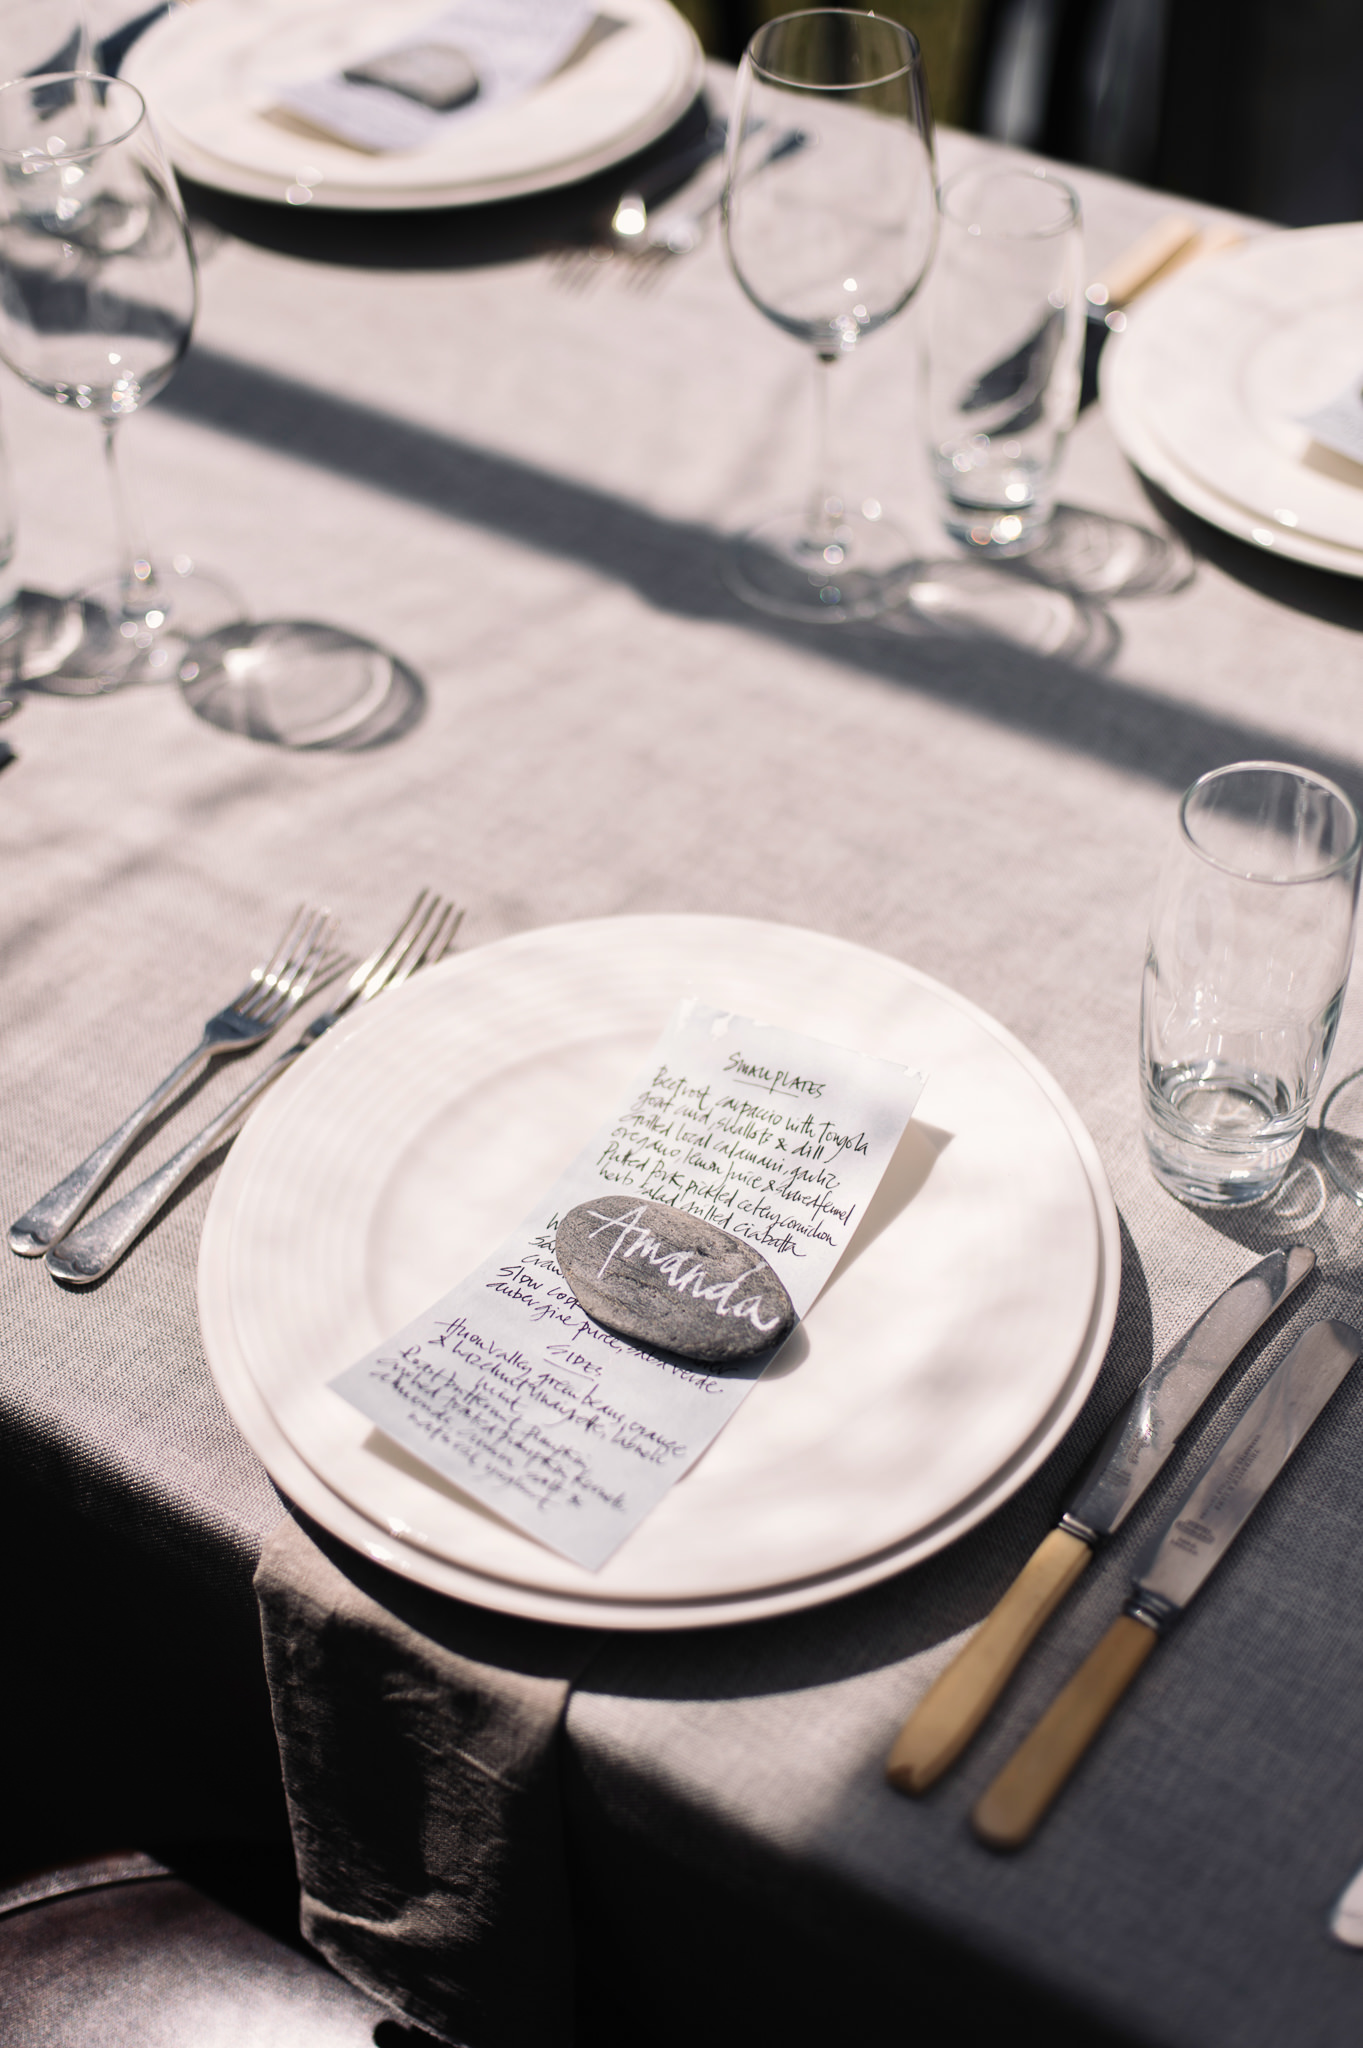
{"x": 905, "y": 70}
{"x": 39, "y": 78}
{"x": 1320, "y": 874}
{"x": 1038, "y": 174}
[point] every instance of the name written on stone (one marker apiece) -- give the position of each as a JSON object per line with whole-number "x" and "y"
{"x": 653, "y": 1273}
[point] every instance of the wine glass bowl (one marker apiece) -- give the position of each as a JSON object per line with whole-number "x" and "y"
{"x": 832, "y": 240}
{"x": 97, "y": 282}
{"x": 829, "y": 240}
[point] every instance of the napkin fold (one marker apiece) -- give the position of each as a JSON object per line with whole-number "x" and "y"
{"x": 419, "y": 1742}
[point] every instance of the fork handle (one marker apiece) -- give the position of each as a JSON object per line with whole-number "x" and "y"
{"x": 53, "y": 1213}
{"x": 93, "y": 1250}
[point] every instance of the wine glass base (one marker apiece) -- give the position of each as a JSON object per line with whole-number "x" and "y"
{"x": 124, "y": 632}
{"x": 1339, "y": 1140}
{"x": 858, "y": 571}
{"x": 298, "y": 683}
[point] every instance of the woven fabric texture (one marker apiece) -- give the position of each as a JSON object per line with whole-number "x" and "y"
{"x": 521, "y": 487}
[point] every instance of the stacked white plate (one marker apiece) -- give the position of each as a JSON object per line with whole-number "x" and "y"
{"x": 212, "y": 74}
{"x": 1207, "y": 390}
{"x": 948, "y": 1355}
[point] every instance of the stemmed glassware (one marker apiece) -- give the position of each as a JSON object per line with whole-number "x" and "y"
{"x": 830, "y": 236}
{"x": 98, "y": 293}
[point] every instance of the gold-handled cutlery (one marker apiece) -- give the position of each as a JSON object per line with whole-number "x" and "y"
{"x": 424, "y": 936}
{"x": 1203, "y": 1529}
{"x": 1130, "y": 1456}
{"x": 300, "y": 962}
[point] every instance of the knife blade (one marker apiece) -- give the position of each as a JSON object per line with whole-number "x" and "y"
{"x": 1127, "y": 1460}
{"x": 1201, "y": 1532}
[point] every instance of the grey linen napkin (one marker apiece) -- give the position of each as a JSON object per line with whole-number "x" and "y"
{"x": 419, "y": 1743}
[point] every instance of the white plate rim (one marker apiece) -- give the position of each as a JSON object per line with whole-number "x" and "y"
{"x": 1143, "y": 446}
{"x": 221, "y": 174}
{"x": 1215, "y": 291}
{"x": 303, "y": 1485}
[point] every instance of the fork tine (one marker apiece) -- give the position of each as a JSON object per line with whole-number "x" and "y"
{"x": 287, "y": 987}
{"x": 437, "y": 944}
{"x": 322, "y": 964}
{"x": 271, "y": 966}
{"x": 384, "y": 963}
{"x": 290, "y": 951}
{"x": 456, "y": 918}
{"x": 362, "y": 973}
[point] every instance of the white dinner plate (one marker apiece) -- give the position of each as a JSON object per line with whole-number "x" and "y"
{"x": 211, "y": 74}
{"x": 1206, "y": 390}
{"x": 949, "y": 1353}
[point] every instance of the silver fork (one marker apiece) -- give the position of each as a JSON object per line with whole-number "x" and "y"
{"x": 424, "y": 936}
{"x": 274, "y": 991}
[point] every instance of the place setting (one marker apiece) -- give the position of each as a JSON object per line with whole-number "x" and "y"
{"x": 775, "y": 1123}
{"x": 735, "y": 1320}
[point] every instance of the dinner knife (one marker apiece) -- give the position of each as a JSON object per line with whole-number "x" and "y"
{"x": 1124, "y": 1465}
{"x": 1202, "y": 1531}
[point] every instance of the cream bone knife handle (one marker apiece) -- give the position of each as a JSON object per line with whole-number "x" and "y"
{"x": 950, "y": 1713}
{"x": 1007, "y": 1814}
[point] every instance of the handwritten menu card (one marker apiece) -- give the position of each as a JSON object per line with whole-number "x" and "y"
{"x": 506, "y": 1385}
{"x": 503, "y": 47}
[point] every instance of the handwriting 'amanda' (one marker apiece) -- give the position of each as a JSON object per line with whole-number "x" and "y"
{"x": 667, "y": 1277}
{"x": 679, "y": 1272}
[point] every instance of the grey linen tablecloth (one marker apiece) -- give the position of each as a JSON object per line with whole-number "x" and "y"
{"x": 519, "y": 487}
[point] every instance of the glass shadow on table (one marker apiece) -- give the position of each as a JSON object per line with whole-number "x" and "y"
{"x": 1053, "y": 601}
{"x": 1131, "y": 722}
{"x": 295, "y": 683}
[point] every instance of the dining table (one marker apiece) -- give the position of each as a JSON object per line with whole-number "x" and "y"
{"x": 515, "y": 467}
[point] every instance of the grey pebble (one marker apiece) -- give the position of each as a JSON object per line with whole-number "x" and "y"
{"x": 436, "y": 75}
{"x": 651, "y": 1272}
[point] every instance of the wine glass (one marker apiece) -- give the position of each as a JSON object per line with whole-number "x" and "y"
{"x": 830, "y": 219}
{"x": 98, "y": 293}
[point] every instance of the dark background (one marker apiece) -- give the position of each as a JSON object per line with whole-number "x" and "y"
{"x": 1251, "y": 104}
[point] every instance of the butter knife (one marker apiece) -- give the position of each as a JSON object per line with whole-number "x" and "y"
{"x": 1127, "y": 1460}
{"x": 1195, "y": 1542}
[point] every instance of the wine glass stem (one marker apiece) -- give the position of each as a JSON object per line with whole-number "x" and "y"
{"x": 134, "y": 567}
{"x": 821, "y": 517}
